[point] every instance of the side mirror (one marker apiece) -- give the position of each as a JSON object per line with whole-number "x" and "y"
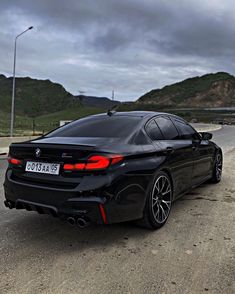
{"x": 206, "y": 136}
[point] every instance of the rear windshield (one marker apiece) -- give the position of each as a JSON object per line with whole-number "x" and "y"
{"x": 98, "y": 126}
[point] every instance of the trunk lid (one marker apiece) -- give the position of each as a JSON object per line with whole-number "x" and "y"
{"x": 64, "y": 149}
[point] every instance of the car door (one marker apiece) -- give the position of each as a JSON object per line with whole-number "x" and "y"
{"x": 203, "y": 161}
{"x": 178, "y": 152}
{"x": 202, "y": 151}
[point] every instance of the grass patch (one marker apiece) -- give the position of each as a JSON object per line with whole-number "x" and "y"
{"x": 44, "y": 123}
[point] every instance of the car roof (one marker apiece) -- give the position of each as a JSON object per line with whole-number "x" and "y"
{"x": 141, "y": 114}
{"x": 133, "y": 113}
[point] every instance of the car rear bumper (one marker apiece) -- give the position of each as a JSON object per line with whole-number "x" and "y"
{"x": 96, "y": 205}
{"x": 89, "y": 209}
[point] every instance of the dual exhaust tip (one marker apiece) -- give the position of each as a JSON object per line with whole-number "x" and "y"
{"x": 80, "y": 222}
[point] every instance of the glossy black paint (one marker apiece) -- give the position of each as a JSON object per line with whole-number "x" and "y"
{"x": 120, "y": 189}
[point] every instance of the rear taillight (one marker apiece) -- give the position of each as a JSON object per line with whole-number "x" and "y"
{"x": 77, "y": 166}
{"x": 94, "y": 162}
{"x": 15, "y": 161}
{"x": 97, "y": 162}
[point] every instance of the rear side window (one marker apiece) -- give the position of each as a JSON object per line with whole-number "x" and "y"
{"x": 167, "y": 128}
{"x": 99, "y": 126}
{"x": 185, "y": 130}
{"x": 153, "y": 131}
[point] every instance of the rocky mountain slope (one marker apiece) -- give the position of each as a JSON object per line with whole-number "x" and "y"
{"x": 99, "y": 102}
{"x": 211, "y": 90}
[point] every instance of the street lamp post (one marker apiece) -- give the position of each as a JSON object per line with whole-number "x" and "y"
{"x": 13, "y": 84}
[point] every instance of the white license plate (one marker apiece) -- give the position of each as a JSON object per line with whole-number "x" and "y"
{"x": 42, "y": 167}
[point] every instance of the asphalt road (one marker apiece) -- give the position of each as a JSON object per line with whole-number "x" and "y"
{"x": 225, "y": 138}
{"x": 193, "y": 253}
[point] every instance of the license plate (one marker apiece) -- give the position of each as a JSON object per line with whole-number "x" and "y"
{"x": 42, "y": 167}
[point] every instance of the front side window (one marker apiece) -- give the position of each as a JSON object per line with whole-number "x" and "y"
{"x": 167, "y": 128}
{"x": 185, "y": 130}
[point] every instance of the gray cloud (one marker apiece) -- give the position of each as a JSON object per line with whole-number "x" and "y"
{"x": 131, "y": 46}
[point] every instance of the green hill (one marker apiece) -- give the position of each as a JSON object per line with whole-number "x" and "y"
{"x": 48, "y": 121}
{"x": 210, "y": 90}
{"x": 34, "y": 97}
{"x": 100, "y": 102}
{"x": 27, "y": 125}
{"x": 38, "y": 97}
{"x": 41, "y": 104}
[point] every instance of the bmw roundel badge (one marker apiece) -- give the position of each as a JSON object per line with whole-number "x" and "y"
{"x": 38, "y": 152}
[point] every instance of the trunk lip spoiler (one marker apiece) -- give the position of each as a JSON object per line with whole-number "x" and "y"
{"x": 50, "y": 145}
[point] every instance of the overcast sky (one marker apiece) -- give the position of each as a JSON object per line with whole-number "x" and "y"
{"x": 131, "y": 46}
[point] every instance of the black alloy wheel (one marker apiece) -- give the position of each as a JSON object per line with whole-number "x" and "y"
{"x": 159, "y": 202}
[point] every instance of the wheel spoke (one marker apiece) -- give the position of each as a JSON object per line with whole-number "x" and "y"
{"x": 168, "y": 189}
{"x": 163, "y": 212}
{"x": 155, "y": 203}
{"x": 158, "y": 210}
{"x": 167, "y": 192}
{"x": 157, "y": 186}
{"x": 163, "y": 183}
{"x": 167, "y": 203}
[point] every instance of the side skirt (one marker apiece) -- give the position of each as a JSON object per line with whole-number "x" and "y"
{"x": 190, "y": 189}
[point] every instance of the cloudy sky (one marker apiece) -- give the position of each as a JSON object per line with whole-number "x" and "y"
{"x": 131, "y": 46}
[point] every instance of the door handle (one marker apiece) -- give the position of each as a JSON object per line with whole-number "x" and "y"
{"x": 194, "y": 148}
{"x": 169, "y": 150}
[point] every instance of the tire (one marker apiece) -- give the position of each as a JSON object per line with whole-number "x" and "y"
{"x": 217, "y": 169}
{"x": 158, "y": 202}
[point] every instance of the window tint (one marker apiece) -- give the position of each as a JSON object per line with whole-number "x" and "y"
{"x": 185, "y": 130}
{"x": 153, "y": 131}
{"x": 167, "y": 128}
{"x": 99, "y": 126}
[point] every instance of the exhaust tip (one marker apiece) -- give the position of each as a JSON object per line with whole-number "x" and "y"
{"x": 82, "y": 223}
{"x": 71, "y": 221}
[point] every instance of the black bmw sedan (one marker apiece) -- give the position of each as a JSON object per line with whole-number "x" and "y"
{"x": 110, "y": 168}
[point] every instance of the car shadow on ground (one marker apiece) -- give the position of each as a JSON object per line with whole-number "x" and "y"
{"x": 32, "y": 228}
{"x": 41, "y": 230}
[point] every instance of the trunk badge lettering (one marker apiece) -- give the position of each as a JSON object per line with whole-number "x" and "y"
{"x": 67, "y": 155}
